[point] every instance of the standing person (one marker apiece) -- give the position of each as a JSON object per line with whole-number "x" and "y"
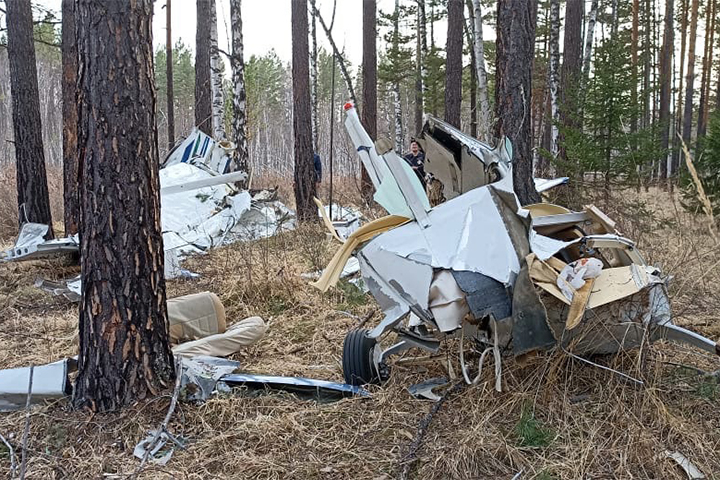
{"x": 416, "y": 160}
{"x": 318, "y": 170}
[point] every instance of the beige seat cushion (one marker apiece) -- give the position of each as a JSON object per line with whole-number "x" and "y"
{"x": 240, "y": 335}
{"x": 195, "y": 316}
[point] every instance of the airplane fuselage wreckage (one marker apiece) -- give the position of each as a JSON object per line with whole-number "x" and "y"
{"x": 479, "y": 267}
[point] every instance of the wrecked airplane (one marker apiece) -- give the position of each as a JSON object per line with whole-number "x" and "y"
{"x": 478, "y": 267}
{"x": 201, "y": 209}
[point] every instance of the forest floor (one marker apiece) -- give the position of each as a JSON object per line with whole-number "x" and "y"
{"x": 556, "y": 418}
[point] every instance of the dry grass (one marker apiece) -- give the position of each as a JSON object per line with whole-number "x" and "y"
{"x": 556, "y": 418}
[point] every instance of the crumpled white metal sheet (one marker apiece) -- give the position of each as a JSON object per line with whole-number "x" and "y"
{"x": 466, "y": 233}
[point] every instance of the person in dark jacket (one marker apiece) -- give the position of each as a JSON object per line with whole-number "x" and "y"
{"x": 416, "y": 159}
{"x": 318, "y": 170}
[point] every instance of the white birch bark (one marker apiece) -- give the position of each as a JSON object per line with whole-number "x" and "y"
{"x": 589, "y": 38}
{"x": 396, "y": 83}
{"x": 240, "y": 158}
{"x": 481, "y": 72}
{"x": 554, "y": 73}
{"x": 218, "y": 124}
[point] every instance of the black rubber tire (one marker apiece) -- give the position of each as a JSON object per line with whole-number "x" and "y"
{"x": 358, "y": 358}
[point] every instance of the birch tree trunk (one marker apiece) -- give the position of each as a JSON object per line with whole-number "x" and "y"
{"x": 418, "y": 72}
{"x": 241, "y": 161}
{"x": 589, "y": 39}
{"x": 453, "y": 64}
{"x": 71, "y": 200}
{"x": 218, "y": 106}
{"x": 554, "y": 73}
{"x": 470, "y": 34}
{"x": 169, "y": 75}
{"x": 32, "y": 189}
{"x": 484, "y": 121}
{"x": 124, "y": 346}
{"x": 513, "y": 89}
{"x": 203, "y": 88}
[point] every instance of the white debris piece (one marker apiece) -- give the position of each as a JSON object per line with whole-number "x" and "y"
{"x": 345, "y": 220}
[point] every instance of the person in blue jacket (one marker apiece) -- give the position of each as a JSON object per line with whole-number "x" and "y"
{"x": 318, "y": 170}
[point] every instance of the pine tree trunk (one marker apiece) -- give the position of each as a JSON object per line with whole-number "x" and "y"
{"x": 666, "y": 86}
{"x": 710, "y": 14}
{"x": 513, "y": 89}
{"x": 304, "y": 176}
{"x": 634, "y": 42}
{"x": 689, "y": 88}
{"x": 647, "y": 67}
{"x": 554, "y": 73}
{"x": 169, "y": 75}
{"x": 369, "y": 85}
{"x": 203, "y": 74}
{"x": 675, "y": 163}
{"x": 397, "y": 107}
{"x": 241, "y": 160}
{"x": 453, "y": 68}
{"x": 570, "y": 74}
{"x": 484, "y": 120}
{"x": 71, "y": 201}
{"x": 314, "y": 79}
{"x": 32, "y": 189}
{"x": 124, "y": 348}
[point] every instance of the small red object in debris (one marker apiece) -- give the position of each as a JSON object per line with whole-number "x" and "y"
{"x": 348, "y": 106}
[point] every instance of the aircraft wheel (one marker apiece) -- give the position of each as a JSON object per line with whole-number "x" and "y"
{"x": 358, "y": 349}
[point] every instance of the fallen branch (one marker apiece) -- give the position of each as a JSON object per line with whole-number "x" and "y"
{"x": 411, "y": 457}
{"x": 13, "y": 465}
{"x": 339, "y": 57}
{"x": 704, "y": 200}
{"x": 26, "y": 432}
{"x": 163, "y": 426}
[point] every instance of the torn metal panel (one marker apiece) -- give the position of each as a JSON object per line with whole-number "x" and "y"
{"x": 485, "y": 295}
{"x": 460, "y": 162}
{"x": 200, "y": 375}
{"x": 690, "y": 469}
{"x": 211, "y": 181}
{"x": 157, "y": 450}
{"x": 201, "y": 150}
{"x": 31, "y": 244}
{"x": 530, "y": 329}
{"x": 365, "y": 146}
{"x": 320, "y": 390}
{"x": 70, "y": 289}
{"x": 344, "y": 221}
{"x": 543, "y": 185}
{"x": 425, "y": 389}
{"x": 49, "y": 382}
{"x": 447, "y": 301}
{"x": 466, "y": 233}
